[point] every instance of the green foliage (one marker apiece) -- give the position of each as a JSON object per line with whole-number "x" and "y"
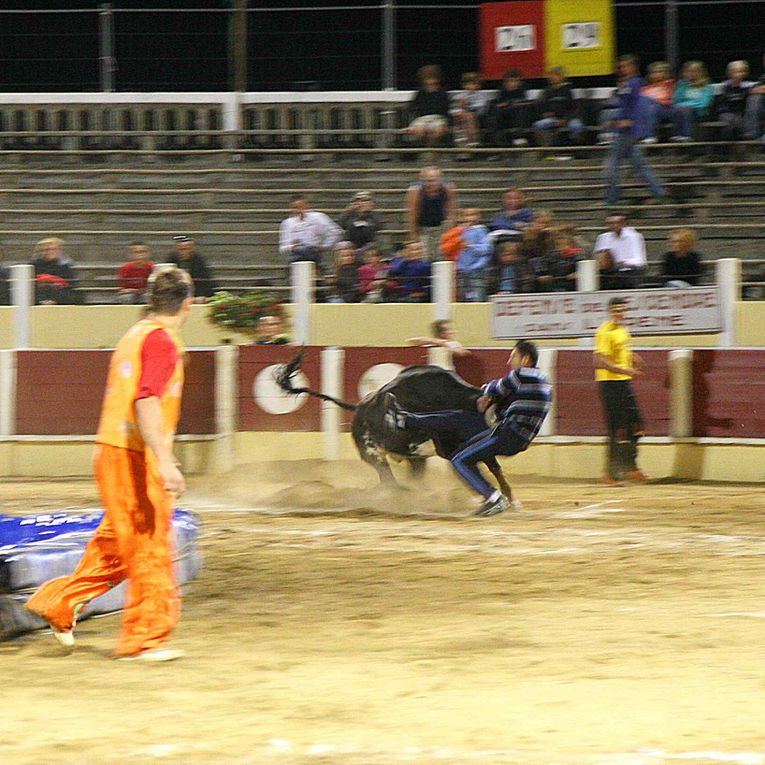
{"x": 243, "y": 311}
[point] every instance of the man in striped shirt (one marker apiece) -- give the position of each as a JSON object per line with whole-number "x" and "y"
{"x": 522, "y": 399}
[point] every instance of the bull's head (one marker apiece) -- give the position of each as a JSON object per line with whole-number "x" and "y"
{"x": 286, "y": 373}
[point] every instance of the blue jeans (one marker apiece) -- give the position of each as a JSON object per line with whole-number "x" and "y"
{"x": 473, "y": 286}
{"x": 684, "y": 119}
{"x": 652, "y": 113}
{"x": 625, "y": 146}
{"x": 755, "y": 111}
{"x": 575, "y": 125}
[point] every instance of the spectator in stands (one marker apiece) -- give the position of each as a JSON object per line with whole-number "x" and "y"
{"x": 343, "y": 282}
{"x": 186, "y": 256}
{"x": 429, "y": 109}
{"x": 682, "y": 264}
{"x": 509, "y": 264}
{"x": 5, "y": 282}
{"x": 755, "y": 109}
{"x": 474, "y": 259}
{"x": 692, "y": 100}
{"x": 625, "y": 248}
{"x": 558, "y": 109}
{"x": 470, "y": 106}
{"x": 537, "y": 252}
{"x": 133, "y": 276}
{"x": 630, "y": 130}
{"x": 307, "y": 234}
{"x": 657, "y": 98}
{"x": 431, "y": 206}
{"x": 514, "y": 216}
{"x": 360, "y": 221}
{"x": 270, "y": 331}
{"x": 410, "y": 274}
{"x": 509, "y": 114}
{"x": 731, "y": 106}
{"x": 55, "y": 278}
{"x": 372, "y": 275}
{"x": 565, "y": 255}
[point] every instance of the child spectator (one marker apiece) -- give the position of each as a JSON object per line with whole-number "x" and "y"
{"x": 566, "y": 254}
{"x": 372, "y": 276}
{"x": 558, "y": 109}
{"x": 133, "y": 276}
{"x": 508, "y": 262}
{"x": 409, "y": 274}
{"x": 469, "y": 110}
{"x": 344, "y": 282}
{"x": 731, "y": 106}
{"x": 473, "y": 260}
{"x": 682, "y": 264}
{"x": 536, "y": 249}
{"x": 509, "y": 114}
{"x": 693, "y": 100}
{"x": 429, "y": 108}
{"x": 657, "y": 98}
{"x": 270, "y": 331}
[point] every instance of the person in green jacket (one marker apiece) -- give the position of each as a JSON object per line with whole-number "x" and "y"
{"x": 692, "y": 100}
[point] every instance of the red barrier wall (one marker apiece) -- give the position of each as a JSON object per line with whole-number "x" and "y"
{"x": 578, "y": 406}
{"x": 729, "y": 393}
{"x": 254, "y": 365}
{"x": 60, "y": 392}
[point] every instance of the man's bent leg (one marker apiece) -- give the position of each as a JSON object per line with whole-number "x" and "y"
{"x": 464, "y": 423}
{"x": 141, "y": 512}
{"x": 479, "y": 449}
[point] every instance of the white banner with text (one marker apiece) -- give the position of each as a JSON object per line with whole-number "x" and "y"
{"x": 579, "y": 314}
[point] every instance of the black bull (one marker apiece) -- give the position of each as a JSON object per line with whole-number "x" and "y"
{"x": 421, "y": 389}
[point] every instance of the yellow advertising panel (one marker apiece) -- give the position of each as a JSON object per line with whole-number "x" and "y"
{"x": 580, "y": 36}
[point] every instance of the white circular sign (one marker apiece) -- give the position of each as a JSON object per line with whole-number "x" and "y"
{"x": 377, "y": 376}
{"x": 271, "y": 398}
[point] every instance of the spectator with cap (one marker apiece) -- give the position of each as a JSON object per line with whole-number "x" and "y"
{"x": 307, "y": 234}
{"x": 186, "y": 256}
{"x": 133, "y": 275}
{"x": 360, "y": 221}
{"x": 621, "y": 252}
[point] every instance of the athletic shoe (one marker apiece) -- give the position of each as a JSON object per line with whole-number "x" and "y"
{"x": 494, "y": 507}
{"x": 649, "y": 140}
{"x": 680, "y": 139}
{"x": 65, "y": 639}
{"x": 395, "y": 416}
{"x": 155, "y": 655}
{"x": 519, "y": 142}
{"x": 638, "y": 476}
{"x": 606, "y": 480}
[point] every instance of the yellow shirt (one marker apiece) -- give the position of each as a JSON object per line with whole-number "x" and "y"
{"x": 614, "y": 342}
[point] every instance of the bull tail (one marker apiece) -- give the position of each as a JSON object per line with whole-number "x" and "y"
{"x": 285, "y": 379}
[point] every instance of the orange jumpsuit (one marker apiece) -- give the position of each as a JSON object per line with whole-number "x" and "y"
{"x": 134, "y": 539}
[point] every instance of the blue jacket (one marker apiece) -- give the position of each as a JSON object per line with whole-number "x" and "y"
{"x": 632, "y": 106}
{"x": 478, "y": 248}
{"x": 412, "y": 275}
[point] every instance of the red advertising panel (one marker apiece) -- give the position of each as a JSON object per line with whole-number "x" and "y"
{"x": 60, "y": 392}
{"x": 512, "y": 36}
{"x": 729, "y": 393}
{"x": 482, "y": 365}
{"x": 577, "y": 401}
{"x": 262, "y": 405}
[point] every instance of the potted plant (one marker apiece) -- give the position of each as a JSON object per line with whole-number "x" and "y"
{"x": 241, "y": 313}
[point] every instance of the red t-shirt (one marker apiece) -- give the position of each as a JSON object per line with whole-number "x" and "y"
{"x": 158, "y": 359}
{"x": 134, "y": 274}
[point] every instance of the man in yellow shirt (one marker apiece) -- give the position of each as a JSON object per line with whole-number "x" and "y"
{"x": 615, "y": 366}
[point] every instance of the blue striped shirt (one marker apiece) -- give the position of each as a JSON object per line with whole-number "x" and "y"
{"x": 523, "y": 398}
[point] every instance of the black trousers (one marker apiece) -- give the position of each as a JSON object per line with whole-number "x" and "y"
{"x": 625, "y": 425}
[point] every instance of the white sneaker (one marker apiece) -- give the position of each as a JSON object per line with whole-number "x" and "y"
{"x": 680, "y": 138}
{"x": 65, "y": 639}
{"x": 155, "y": 655}
{"x": 518, "y": 142}
{"x": 650, "y": 139}
{"x": 493, "y": 507}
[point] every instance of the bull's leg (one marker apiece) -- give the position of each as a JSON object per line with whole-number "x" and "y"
{"x": 373, "y": 455}
{"x": 496, "y": 471}
{"x": 417, "y": 466}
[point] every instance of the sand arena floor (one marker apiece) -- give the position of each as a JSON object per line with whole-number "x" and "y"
{"x": 335, "y": 625}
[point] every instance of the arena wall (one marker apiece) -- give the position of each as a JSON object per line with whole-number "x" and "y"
{"x": 704, "y": 411}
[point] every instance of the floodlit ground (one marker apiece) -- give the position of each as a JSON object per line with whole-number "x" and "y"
{"x": 334, "y": 624}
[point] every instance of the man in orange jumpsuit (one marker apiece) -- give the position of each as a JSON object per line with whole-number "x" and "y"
{"x": 138, "y": 477}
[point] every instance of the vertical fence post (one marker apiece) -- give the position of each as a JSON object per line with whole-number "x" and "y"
{"x": 443, "y": 289}
{"x": 389, "y": 45}
{"x": 587, "y": 276}
{"x": 22, "y": 281}
{"x": 728, "y": 277}
{"x": 671, "y": 34}
{"x": 681, "y": 393}
{"x": 302, "y": 277}
{"x": 226, "y": 396}
{"x": 7, "y": 393}
{"x": 332, "y": 361}
{"x": 106, "y": 46}
{"x": 547, "y": 361}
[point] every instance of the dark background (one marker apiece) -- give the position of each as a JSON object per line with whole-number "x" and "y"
{"x": 316, "y": 48}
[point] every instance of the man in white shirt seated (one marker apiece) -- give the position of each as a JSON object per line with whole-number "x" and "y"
{"x": 307, "y": 233}
{"x": 626, "y": 248}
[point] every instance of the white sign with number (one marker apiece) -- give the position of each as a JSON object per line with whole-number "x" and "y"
{"x": 581, "y": 35}
{"x": 579, "y": 314}
{"x": 515, "y": 39}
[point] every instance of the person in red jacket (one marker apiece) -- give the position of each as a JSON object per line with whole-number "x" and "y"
{"x": 133, "y": 276}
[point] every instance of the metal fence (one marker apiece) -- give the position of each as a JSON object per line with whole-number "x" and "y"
{"x": 363, "y": 44}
